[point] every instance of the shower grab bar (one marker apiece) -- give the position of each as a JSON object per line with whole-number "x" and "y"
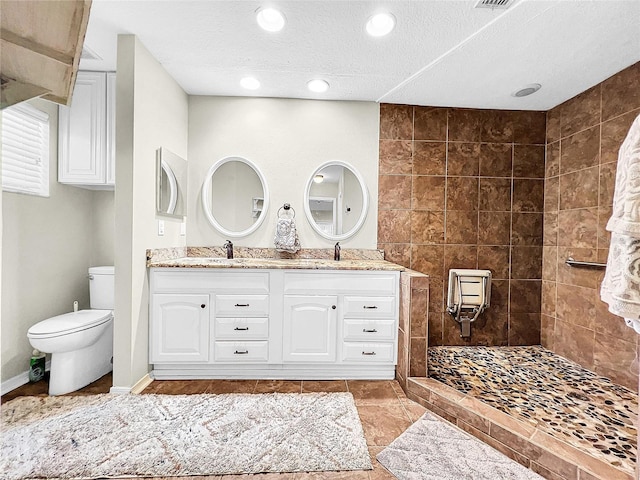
{"x": 576, "y": 263}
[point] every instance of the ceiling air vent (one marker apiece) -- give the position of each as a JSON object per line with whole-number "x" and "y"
{"x": 503, "y": 4}
{"x": 88, "y": 54}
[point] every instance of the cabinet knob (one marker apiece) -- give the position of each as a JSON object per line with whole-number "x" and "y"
{"x": 203, "y": 306}
{"x": 333, "y": 307}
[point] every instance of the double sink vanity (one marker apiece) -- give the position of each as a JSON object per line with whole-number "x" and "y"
{"x": 265, "y": 314}
{"x": 303, "y": 318}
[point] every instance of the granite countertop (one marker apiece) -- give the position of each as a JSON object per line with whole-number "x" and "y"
{"x": 275, "y": 263}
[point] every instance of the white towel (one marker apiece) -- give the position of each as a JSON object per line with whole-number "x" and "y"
{"x": 621, "y": 284}
{"x": 286, "y": 239}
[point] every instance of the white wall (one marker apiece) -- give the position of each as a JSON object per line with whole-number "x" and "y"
{"x": 103, "y": 228}
{"x": 151, "y": 112}
{"x": 287, "y": 139}
{"x": 47, "y": 246}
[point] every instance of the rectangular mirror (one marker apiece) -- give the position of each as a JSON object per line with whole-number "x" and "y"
{"x": 171, "y": 184}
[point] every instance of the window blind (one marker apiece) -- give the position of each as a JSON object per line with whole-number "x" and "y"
{"x": 25, "y": 150}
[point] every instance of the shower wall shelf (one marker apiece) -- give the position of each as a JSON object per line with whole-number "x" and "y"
{"x": 578, "y": 264}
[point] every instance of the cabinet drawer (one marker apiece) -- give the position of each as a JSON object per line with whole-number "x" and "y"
{"x": 369, "y": 330}
{"x": 241, "y": 351}
{"x": 367, "y": 352}
{"x": 369, "y": 307}
{"x": 191, "y": 280}
{"x": 242, "y": 305}
{"x": 341, "y": 282}
{"x": 241, "y": 328}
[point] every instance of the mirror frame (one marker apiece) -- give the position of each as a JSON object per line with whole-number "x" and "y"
{"x": 175, "y": 187}
{"x": 365, "y": 201}
{"x": 206, "y": 197}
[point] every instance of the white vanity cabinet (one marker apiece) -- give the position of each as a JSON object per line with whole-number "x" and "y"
{"x": 310, "y": 324}
{"x": 180, "y": 331}
{"x": 273, "y": 323}
{"x": 86, "y": 133}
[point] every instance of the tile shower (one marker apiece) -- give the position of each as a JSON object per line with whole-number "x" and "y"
{"x": 517, "y": 193}
{"x": 462, "y": 188}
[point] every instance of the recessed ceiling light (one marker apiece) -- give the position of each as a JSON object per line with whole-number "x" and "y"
{"x": 527, "y": 90}
{"x": 318, "y": 86}
{"x": 381, "y": 24}
{"x": 250, "y": 83}
{"x": 318, "y": 178}
{"x": 270, "y": 19}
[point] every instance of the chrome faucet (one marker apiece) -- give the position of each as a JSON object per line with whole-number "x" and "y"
{"x": 336, "y": 252}
{"x": 229, "y": 247}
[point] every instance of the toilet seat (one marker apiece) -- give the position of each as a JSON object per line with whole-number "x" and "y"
{"x": 69, "y": 323}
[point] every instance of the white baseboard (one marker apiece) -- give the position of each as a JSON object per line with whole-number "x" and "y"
{"x": 120, "y": 390}
{"x": 19, "y": 380}
{"x": 141, "y": 384}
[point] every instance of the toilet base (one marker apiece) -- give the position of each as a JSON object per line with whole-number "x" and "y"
{"x": 73, "y": 370}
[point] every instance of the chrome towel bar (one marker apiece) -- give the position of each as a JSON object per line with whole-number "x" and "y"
{"x": 576, "y": 263}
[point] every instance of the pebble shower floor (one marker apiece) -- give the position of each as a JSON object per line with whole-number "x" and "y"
{"x": 558, "y": 396}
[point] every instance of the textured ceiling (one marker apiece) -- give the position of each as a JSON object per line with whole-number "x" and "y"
{"x": 441, "y": 53}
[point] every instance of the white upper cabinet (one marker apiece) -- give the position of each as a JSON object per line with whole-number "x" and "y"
{"x": 86, "y": 133}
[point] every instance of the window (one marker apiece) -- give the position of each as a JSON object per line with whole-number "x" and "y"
{"x": 25, "y": 150}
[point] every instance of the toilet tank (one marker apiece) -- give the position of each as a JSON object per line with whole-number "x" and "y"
{"x": 101, "y": 287}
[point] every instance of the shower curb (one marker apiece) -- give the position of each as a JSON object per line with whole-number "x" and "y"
{"x": 519, "y": 440}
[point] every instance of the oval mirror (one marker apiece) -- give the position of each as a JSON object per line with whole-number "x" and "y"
{"x": 171, "y": 184}
{"x": 235, "y": 197}
{"x": 168, "y": 190}
{"x": 336, "y": 200}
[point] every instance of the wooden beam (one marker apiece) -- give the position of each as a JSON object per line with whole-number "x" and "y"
{"x": 29, "y": 44}
{"x": 13, "y": 92}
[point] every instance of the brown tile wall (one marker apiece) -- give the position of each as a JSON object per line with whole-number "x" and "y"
{"x": 584, "y": 135}
{"x": 412, "y": 327}
{"x": 461, "y": 188}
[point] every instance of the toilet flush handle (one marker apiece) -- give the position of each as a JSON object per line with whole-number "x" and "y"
{"x": 90, "y": 277}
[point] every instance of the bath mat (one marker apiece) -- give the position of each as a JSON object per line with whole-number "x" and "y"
{"x": 432, "y": 449}
{"x": 179, "y": 435}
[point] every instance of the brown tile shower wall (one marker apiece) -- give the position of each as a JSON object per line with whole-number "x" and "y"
{"x": 462, "y": 188}
{"x": 584, "y": 135}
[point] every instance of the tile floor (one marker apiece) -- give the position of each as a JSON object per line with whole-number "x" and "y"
{"x": 384, "y": 410}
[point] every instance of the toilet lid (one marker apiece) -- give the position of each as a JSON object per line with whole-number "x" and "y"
{"x": 69, "y": 322}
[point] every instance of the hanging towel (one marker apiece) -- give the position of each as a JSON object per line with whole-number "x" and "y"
{"x": 286, "y": 239}
{"x": 621, "y": 284}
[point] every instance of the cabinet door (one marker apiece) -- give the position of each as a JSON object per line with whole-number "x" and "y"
{"x": 309, "y": 329}
{"x": 179, "y": 328}
{"x": 82, "y": 132}
{"x": 110, "y": 156}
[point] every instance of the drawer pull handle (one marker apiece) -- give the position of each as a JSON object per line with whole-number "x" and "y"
{"x": 241, "y": 328}
{"x": 241, "y": 352}
{"x": 203, "y": 306}
{"x": 366, "y": 330}
{"x": 242, "y": 304}
{"x": 367, "y": 307}
{"x": 368, "y": 353}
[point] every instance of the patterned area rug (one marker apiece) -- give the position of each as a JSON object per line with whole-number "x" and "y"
{"x": 179, "y": 435}
{"x": 431, "y": 449}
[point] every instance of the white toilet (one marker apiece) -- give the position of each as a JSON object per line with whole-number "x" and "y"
{"x": 80, "y": 343}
